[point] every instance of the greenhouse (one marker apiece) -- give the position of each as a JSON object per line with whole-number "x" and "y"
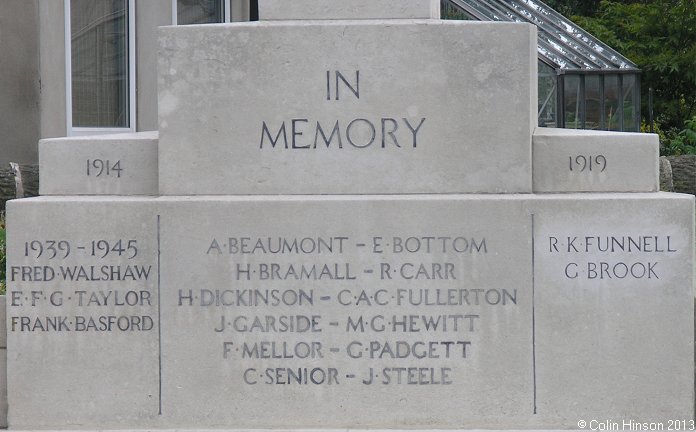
{"x": 583, "y": 83}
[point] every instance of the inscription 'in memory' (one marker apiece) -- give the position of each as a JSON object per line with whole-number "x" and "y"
{"x": 359, "y": 133}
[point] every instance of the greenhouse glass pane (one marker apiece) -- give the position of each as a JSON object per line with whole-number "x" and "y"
{"x": 568, "y": 33}
{"x": 572, "y": 102}
{"x": 629, "y": 103}
{"x": 611, "y": 103}
{"x": 560, "y": 41}
{"x": 99, "y": 59}
{"x": 448, "y": 11}
{"x": 199, "y": 11}
{"x": 593, "y": 102}
{"x": 547, "y": 95}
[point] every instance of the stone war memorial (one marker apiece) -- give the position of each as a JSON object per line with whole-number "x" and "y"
{"x": 348, "y": 219}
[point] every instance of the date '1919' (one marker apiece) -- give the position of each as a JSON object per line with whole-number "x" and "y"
{"x": 582, "y": 163}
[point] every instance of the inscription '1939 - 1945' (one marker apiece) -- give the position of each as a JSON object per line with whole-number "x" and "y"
{"x": 360, "y": 133}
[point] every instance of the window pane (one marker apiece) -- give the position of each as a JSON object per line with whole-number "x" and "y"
{"x": 611, "y": 103}
{"x": 99, "y": 45}
{"x": 629, "y": 103}
{"x": 547, "y": 95}
{"x": 199, "y": 11}
{"x": 572, "y": 102}
{"x": 593, "y": 114}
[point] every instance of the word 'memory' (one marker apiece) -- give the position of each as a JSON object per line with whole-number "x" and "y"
{"x": 360, "y": 133}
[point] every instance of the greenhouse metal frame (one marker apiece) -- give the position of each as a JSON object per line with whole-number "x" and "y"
{"x": 583, "y": 83}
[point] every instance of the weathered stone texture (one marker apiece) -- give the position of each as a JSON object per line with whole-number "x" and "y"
{"x": 666, "y": 179}
{"x": 684, "y": 173}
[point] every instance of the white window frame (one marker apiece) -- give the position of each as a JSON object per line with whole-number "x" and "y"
{"x": 226, "y": 4}
{"x": 132, "y": 118}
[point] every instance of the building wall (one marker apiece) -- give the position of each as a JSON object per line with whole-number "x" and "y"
{"x": 52, "y": 68}
{"x": 19, "y": 86}
{"x": 148, "y": 16}
{"x": 33, "y": 85}
{"x": 240, "y": 10}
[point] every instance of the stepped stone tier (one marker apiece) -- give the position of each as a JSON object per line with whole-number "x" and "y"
{"x": 356, "y": 225}
{"x": 354, "y": 9}
{"x": 337, "y": 107}
{"x": 60, "y": 159}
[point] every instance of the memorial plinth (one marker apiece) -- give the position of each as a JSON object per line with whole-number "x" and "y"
{"x": 355, "y": 9}
{"x": 275, "y": 284}
{"x": 347, "y": 107}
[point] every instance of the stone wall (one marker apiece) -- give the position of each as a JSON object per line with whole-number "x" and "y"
{"x": 684, "y": 173}
{"x": 18, "y": 181}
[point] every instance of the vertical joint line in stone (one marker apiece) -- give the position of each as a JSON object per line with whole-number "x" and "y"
{"x": 534, "y": 318}
{"x": 159, "y": 317}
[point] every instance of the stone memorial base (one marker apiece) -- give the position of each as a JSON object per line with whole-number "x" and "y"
{"x": 350, "y": 311}
{"x": 303, "y": 254}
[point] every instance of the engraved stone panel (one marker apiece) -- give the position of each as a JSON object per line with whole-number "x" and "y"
{"x": 348, "y": 313}
{"x": 466, "y": 311}
{"x": 567, "y": 160}
{"x": 614, "y": 308}
{"x": 82, "y": 313}
{"x": 309, "y": 108}
{"x": 347, "y": 9}
{"x": 121, "y": 164}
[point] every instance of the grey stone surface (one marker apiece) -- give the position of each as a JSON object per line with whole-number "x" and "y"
{"x": 347, "y": 9}
{"x": 52, "y": 69}
{"x": 666, "y": 179}
{"x": 3, "y": 363}
{"x": 227, "y": 92}
{"x": 569, "y": 160}
{"x": 684, "y": 173}
{"x": 3, "y": 326}
{"x": 83, "y": 376}
{"x": 150, "y": 15}
{"x": 588, "y": 289}
{"x": 584, "y": 338}
{"x": 491, "y": 345}
{"x": 321, "y": 430}
{"x": 3, "y": 388}
{"x": 121, "y": 164}
{"x": 318, "y": 430}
